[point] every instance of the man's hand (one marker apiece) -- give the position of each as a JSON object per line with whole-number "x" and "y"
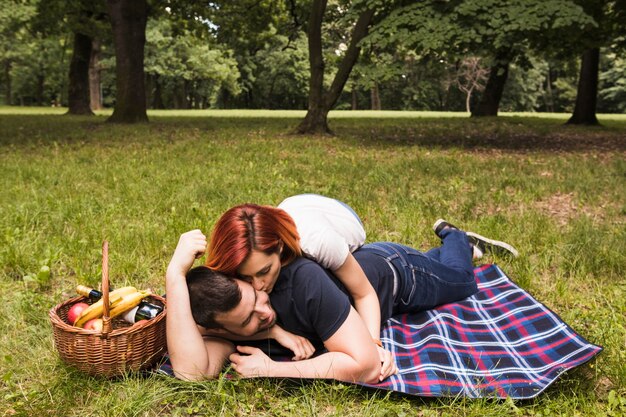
{"x": 300, "y": 346}
{"x": 252, "y": 364}
{"x": 388, "y": 367}
{"x": 191, "y": 246}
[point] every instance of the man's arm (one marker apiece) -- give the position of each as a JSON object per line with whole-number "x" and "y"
{"x": 352, "y": 357}
{"x": 193, "y": 357}
{"x": 300, "y": 346}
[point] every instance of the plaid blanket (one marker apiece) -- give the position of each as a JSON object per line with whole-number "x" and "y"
{"x": 500, "y": 342}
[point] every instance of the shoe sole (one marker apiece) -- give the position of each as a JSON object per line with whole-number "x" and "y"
{"x": 442, "y": 223}
{"x": 491, "y": 245}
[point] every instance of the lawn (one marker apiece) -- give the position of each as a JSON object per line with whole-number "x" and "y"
{"x": 67, "y": 183}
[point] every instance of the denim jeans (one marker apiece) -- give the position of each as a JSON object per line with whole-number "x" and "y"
{"x": 425, "y": 280}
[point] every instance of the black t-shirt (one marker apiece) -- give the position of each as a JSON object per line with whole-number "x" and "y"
{"x": 311, "y": 302}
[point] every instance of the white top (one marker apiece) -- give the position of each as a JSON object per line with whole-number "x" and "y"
{"x": 329, "y": 229}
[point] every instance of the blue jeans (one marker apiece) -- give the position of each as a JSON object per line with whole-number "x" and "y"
{"x": 426, "y": 280}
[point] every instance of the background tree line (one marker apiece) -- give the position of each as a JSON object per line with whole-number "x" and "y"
{"x": 479, "y": 56}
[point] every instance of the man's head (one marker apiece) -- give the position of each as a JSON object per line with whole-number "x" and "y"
{"x": 218, "y": 301}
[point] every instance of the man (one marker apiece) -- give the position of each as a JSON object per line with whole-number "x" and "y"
{"x": 309, "y": 302}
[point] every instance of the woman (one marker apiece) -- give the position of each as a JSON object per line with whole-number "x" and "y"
{"x": 254, "y": 242}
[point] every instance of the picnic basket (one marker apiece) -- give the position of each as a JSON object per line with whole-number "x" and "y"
{"x": 119, "y": 348}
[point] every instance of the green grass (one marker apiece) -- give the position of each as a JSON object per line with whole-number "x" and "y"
{"x": 66, "y": 183}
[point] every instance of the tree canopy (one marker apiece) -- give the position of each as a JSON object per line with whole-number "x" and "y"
{"x": 520, "y": 55}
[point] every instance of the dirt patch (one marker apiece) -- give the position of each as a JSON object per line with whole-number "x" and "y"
{"x": 564, "y": 207}
{"x": 561, "y": 207}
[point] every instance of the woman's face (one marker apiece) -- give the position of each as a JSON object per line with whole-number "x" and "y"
{"x": 261, "y": 270}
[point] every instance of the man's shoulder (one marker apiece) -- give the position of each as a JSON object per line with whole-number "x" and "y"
{"x": 301, "y": 264}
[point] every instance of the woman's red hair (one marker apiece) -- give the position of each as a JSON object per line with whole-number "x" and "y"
{"x": 249, "y": 227}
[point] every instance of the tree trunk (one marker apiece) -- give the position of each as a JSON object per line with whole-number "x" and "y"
{"x": 78, "y": 96}
{"x": 7, "y": 77}
{"x": 320, "y": 102}
{"x": 95, "y": 95}
{"x": 315, "y": 121}
{"x": 186, "y": 95}
{"x": 375, "y": 97}
{"x": 490, "y": 99}
{"x": 355, "y": 100}
{"x": 40, "y": 87}
{"x": 587, "y": 95}
{"x": 549, "y": 96}
{"x": 468, "y": 100}
{"x": 128, "y": 21}
{"x": 157, "y": 97}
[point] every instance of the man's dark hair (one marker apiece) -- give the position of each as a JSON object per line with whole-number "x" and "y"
{"x": 211, "y": 293}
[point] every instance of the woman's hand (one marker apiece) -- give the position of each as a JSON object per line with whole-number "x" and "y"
{"x": 300, "y": 346}
{"x": 388, "y": 366}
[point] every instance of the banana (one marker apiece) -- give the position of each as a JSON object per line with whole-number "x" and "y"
{"x": 95, "y": 310}
{"x": 124, "y": 291}
{"x": 129, "y": 301}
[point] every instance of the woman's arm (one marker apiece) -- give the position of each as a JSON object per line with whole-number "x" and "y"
{"x": 367, "y": 304}
{"x": 365, "y": 298}
{"x": 193, "y": 357}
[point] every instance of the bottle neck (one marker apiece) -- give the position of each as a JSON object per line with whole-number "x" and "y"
{"x": 89, "y": 292}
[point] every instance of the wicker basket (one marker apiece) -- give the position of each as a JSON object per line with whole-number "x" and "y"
{"x": 119, "y": 348}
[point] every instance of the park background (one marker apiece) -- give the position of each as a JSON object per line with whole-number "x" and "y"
{"x": 135, "y": 121}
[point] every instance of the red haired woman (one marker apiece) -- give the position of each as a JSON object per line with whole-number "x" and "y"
{"x": 253, "y": 242}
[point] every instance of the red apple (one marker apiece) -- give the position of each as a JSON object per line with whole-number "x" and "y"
{"x": 75, "y": 311}
{"x": 94, "y": 324}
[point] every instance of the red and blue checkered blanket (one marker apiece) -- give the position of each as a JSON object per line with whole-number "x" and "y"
{"x": 500, "y": 342}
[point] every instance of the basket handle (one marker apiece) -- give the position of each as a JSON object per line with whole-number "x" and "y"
{"x": 106, "y": 320}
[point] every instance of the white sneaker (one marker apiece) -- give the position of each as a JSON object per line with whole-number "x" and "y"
{"x": 480, "y": 244}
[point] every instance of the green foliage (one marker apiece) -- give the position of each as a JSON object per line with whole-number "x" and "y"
{"x": 282, "y": 75}
{"x": 175, "y": 56}
{"x": 478, "y": 25}
{"x": 612, "y": 88}
{"x": 525, "y": 89}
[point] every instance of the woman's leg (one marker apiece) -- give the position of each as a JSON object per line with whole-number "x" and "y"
{"x": 440, "y": 276}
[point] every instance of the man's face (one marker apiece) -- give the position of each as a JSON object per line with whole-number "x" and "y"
{"x": 253, "y": 313}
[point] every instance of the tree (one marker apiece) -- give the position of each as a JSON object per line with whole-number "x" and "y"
{"x": 85, "y": 19}
{"x": 492, "y": 93}
{"x": 187, "y": 66}
{"x": 95, "y": 96}
{"x": 609, "y": 16}
{"x": 612, "y": 93}
{"x": 81, "y": 18}
{"x": 255, "y": 32}
{"x": 79, "y": 99}
{"x": 128, "y": 22}
{"x": 321, "y": 100}
{"x": 587, "y": 96}
{"x": 14, "y": 17}
{"x": 471, "y": 77}
{"x": 500, "y": 31}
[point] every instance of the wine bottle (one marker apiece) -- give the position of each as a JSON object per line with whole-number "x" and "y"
{"x": 143, "y": 311}
{"x": 92, "y": 294}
